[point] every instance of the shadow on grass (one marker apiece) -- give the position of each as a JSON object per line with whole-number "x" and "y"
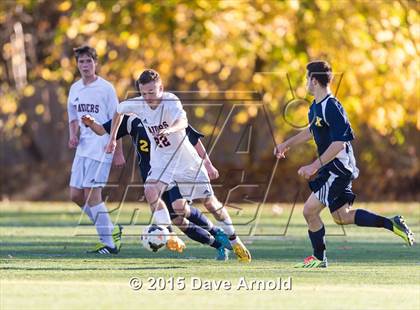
{"x": 288, "y": 249}
{"x": 89, "y": 268}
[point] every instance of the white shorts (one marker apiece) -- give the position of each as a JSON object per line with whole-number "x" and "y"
{"x": 192, "y": 185}
{"x": 89, "y": 173}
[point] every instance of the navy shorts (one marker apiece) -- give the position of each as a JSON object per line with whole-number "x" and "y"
{"x": 170, "y": 196}
{"x": 332, "y": 186}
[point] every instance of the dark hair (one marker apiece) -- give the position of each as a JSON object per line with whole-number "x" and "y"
{"x": 147, "y": 76}
{"x": 321, "y": 71}
{"x": 85, "y": 50}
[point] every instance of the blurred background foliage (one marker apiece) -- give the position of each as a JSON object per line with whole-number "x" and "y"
{"x": 237, "y": 65}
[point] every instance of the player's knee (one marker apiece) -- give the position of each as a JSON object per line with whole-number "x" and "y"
{"x": 213, "y": 205}
{"x": 342, "y": 217}
{"x": 77, "y": 197}
{"x": 177, "y": 220}
{"x": 93, "y": 196}
{"x": 308, "y": 212}
{"x": 151, "y": 193}
{"x": 179, "y": 207}
{"x": 338, "y": 220}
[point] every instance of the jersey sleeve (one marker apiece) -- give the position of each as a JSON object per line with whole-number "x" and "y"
{"x": 71, "y": 110}
{"x": 122, "y": 131}
{"x": 193, "y": 135}
{"x": 339, "y": 125}
{"x": 176, "y": 110}
{"x": 129, "y": 107}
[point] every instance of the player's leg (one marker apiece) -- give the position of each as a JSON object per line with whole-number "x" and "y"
{"x": 316, "y": 232}
{"x": 341, "y": 197}
{"x": 179, "y": 211}
{"x": 364, "y": 218}
{"x": 199, "y": 218}
{"x": 102, "y": 220}
{"x": 153, "y": 191}
{"x": 95, "y": 178}
{"x": 77, "y": 195}
{"x": 195, "y": 224}
{"x": 197, "y": 186}
{"x": 76, "y": 185}
{"x": 220, "y": 213}
{"x": 192, "y": 214}
{"x": 325, "y": 187}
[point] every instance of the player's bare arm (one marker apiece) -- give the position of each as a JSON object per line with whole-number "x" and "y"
{"x": 90, "y": 122}
{"x": 74, "y": 131}
{"x": 118, "y": 160}
{"x": 281, "y": 149}
{"x": 329, "y": 154}
{"x": 179, "y": 124}
{"x": 112, "y": 143}
{"x": 211, "y": 170}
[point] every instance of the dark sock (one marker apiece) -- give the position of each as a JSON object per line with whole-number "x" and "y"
{"x": 199, "y": 219}
{"x": 198, "y": 234}
{"x": 216, "y": 244}
{"x": 367, "y": 219}
{"x": 169, "y": 227}
{"x": 212, "y": 230}
{"x": 318, "y": 242}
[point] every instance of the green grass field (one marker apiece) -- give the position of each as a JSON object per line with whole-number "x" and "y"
{"x": 44, "y": 265}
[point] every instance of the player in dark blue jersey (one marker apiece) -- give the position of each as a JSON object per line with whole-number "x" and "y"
{"x": 330, "y": 175}
{"x": 196, "y": 225}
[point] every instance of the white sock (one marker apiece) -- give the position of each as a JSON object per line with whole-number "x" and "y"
{"x": 227, "y": 226}
{"x": 86, "y": 210}
{"x": 161, "y": 217}
{"x": 103, "y": 224}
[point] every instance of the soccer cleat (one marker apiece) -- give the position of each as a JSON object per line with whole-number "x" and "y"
{"x": 222, "y": 238}
{"x": 401, "y": 229}
{"x": 175, "y": 244}
{"x": 101, "y": 248}
{"x": 222, "y": 254}
{"x": 116, "y": 236}
{"x": 312, "y": 262}
{"x": 241, "y": 251}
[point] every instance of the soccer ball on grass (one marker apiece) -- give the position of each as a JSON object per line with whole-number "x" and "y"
{"x": 154, "y": 237}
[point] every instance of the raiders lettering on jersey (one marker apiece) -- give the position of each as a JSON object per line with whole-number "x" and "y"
{"x": 89, "y": 108}
{"x": 155, "y": 129}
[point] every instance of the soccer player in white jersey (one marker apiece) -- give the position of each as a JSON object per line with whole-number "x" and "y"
{"x": 173, "y": 159}
{"x": 91, "y": 165}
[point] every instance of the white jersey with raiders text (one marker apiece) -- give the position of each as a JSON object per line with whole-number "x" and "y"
{"x": 173, "y": 152}
{"x": 100, "y": 100}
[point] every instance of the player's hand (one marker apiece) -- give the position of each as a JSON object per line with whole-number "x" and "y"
{"x": 280, "y": 150}
{"x": 110, "y": 147}
{"x": 307, "y": 171}
{"x": 73, "y": 142}
{"x": 164, "y": 132}
{"x": 118, "y": 161}
{"x": 212, "y": 171}
{"x": 88, "y": 120}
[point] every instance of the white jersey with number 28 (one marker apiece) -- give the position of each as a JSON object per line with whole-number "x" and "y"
{"x": 173, "y": 152}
